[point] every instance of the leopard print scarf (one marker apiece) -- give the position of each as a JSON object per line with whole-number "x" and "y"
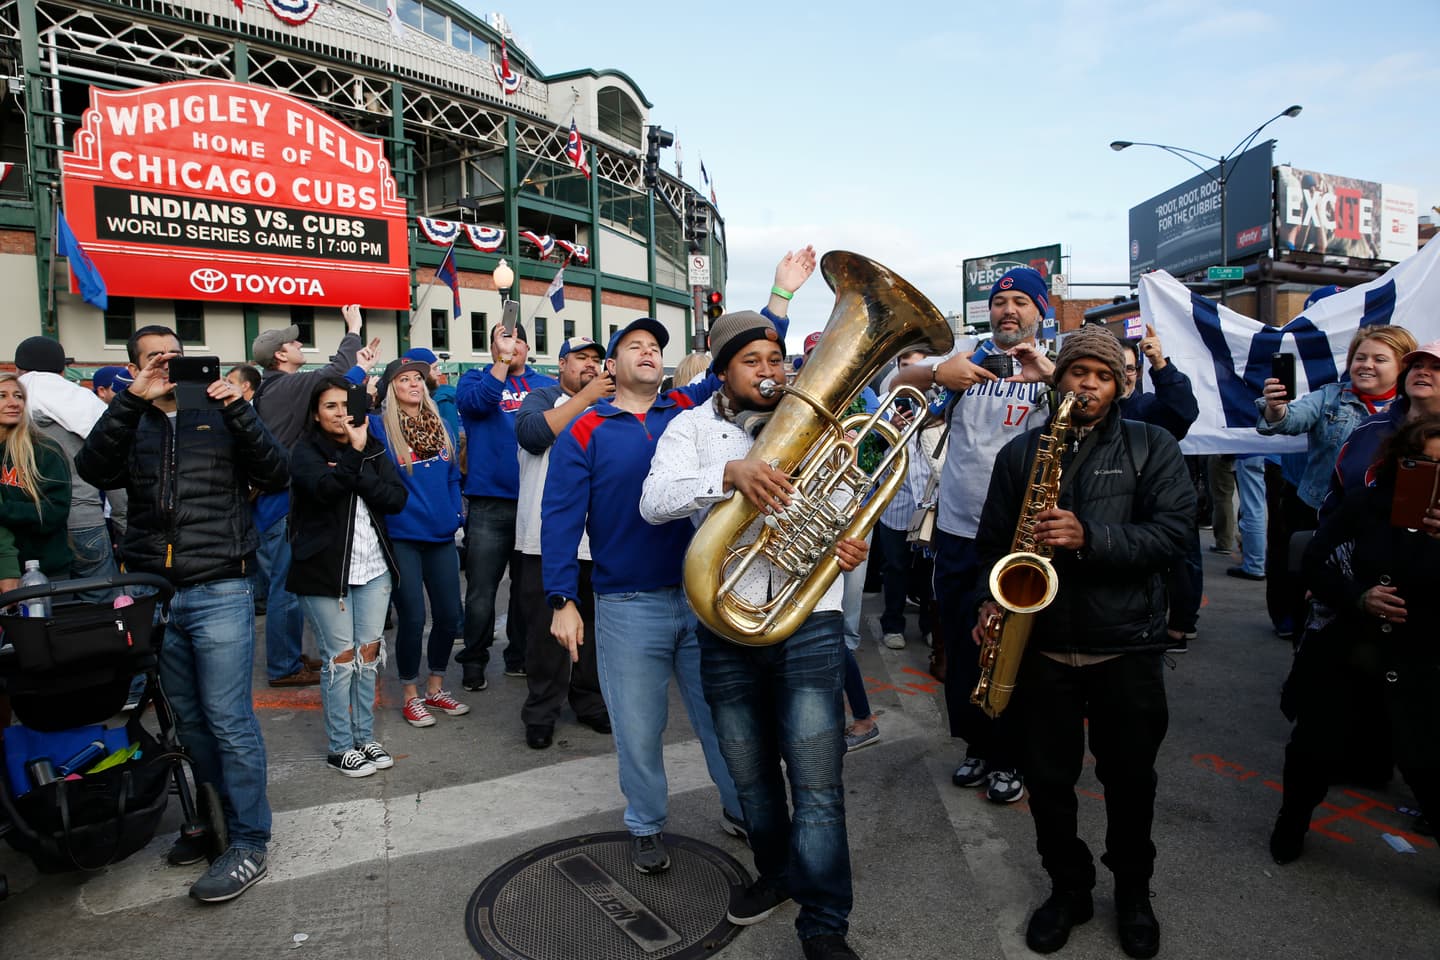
{"x": 424, "y": 433}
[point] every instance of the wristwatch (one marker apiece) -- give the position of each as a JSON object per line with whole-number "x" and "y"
{"x": 558, "y": 602}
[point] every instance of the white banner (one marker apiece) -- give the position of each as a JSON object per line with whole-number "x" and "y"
{"x": 1227, "y": 356}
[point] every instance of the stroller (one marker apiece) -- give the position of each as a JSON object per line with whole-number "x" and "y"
{"x": 75, "y": 792}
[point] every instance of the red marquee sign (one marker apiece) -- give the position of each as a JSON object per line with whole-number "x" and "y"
{"x": 211, "y": 190}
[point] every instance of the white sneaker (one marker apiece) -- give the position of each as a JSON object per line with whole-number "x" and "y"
{"x": 895, "y": 641}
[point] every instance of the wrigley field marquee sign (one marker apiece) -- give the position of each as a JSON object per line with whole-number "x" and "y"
{"x": 211, "y": 190}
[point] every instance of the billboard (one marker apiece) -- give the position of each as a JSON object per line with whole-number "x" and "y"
{"x": 982, "y": 272}
{"x": 1343, "y": 217}
{"x": 211, "y": 190}
{"x": 1179, "y": 230}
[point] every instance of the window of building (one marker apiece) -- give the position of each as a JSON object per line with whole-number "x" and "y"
{"x": 479, "y": 332}
{"x": 439, "y": 329}
{"x": 190, "y": 322}
{"x": 411, "y": 12}
{"x": 304, "y": 318}
{"x": 542, "y": 340}
{"x": 434, "y": 23}
{"x": 460, "y": 38}
{"x": 619, "y": 115}
{"x": 613, "y": 328}
{"x": 569, "y": 329}
{"x": 119, "y": 319}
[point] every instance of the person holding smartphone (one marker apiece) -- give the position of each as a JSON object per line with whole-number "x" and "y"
{"x": 422, "y": 447}
{"x": 343, "y": 566}
{"x": 1383, "y": 583}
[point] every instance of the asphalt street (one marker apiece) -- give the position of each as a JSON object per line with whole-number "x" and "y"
{"x": 383, "y": 867}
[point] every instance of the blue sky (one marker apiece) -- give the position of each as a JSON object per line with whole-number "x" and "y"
{"x": 921, "y": 134}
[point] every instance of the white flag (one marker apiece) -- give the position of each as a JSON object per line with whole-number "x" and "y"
{"x": 1227, "y": 356}
{"x": 392, "y": 10}
{"x": 556, "y": 291}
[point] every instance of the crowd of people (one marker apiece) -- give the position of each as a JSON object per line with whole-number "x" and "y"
{"x": 332, "y": 495}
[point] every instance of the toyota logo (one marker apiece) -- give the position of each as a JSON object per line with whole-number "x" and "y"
{"x": 207, "y": 280}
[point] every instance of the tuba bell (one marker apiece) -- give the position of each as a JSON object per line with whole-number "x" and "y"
{"x": 877, "y": 316}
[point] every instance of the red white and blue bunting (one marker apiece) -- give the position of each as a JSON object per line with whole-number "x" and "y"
{"x": 576, "y": 251}
{"x": 439, "y": 232}
{"x": 508, "y": 79}
{"x": 485, "y": 239}
{"x": 545, "y": 244}
{"x": 293, "y": 12}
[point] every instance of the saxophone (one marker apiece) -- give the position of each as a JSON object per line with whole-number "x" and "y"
{"x": 1023, "y": 582}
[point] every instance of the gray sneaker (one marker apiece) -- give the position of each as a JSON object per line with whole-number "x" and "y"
{"x": 648, "y": 854}
{"x": 237, "y": 870}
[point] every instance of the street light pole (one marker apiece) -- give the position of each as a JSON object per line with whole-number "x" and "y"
{"x": 1224, "y": 164}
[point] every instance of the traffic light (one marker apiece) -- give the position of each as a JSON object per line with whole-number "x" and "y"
{"x": 714, "y": 304}
{"x": 697, "y": 227}
{"x": 654, "y": 140}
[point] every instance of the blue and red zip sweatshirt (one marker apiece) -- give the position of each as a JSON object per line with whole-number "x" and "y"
{"x": 487, "y": 408}
{"x": 597, "y": 471}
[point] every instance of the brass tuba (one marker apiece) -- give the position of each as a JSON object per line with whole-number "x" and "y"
{"x": 1023, "y": 582}
{"x": 876, "y": 317}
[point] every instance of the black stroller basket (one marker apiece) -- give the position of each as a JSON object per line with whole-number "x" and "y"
{"x": 73, "y": 669}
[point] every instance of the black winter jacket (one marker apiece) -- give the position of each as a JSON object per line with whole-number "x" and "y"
{"x": 1112, "y": 593}
{"x": 326, "y": 480}
{"x": 187, "y": 484}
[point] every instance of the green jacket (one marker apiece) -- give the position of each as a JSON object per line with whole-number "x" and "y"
{"x": 39, "y": 531}
{"x": 9, "y": 556}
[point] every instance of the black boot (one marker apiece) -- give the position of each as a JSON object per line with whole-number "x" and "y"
{"x": 1287, "y": 840}
{"x": 1135, "y": 921}
{"x": 1050, "y": 924}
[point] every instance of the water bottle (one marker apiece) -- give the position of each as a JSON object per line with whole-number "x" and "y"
{"x": 38, "y": 606}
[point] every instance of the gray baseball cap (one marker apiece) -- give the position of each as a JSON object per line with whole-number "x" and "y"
{"x": 265, "y": 345}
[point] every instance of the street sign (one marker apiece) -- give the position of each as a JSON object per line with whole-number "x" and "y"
{"x": 1059, "y": 286}
{"x": 699, "y": 270}
{"x": 1225, "y": 273}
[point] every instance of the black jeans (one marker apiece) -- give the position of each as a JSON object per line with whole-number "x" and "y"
{"x": 489, "y": 548}
{"x": 956, "y": 573}
{"x": 1288, "y": 515}
{"x": 1124, "y": 700}
{"x": 549, "y": 672}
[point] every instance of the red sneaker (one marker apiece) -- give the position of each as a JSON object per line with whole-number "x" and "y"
{"x": 446, "y": 704}
{"x": 416, "y": 715}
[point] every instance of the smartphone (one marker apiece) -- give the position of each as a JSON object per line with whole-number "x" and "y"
{"x": 357, "y": 403}
{"x": 1282, "y": 368}
{"x": 510, "y": 316}
{"x": 192, "y": 376}
{"x": 1417, "y": 489}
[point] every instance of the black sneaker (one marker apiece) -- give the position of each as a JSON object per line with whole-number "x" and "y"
{"x": 539, "y": 736}
{"x": 1135, "y": 922}
{"x": 515, "y": 672}
{"x": 971, "y": 773}
{"x": 828, "y": 946}
{"x": 188, "y": 850}
{"x": 600, "y": 723}
{"x": 648, "y": 854}
{"x": 733, "y": 825}
{"x": 1287, "y": 839}
{"x": 754, "y": 903}
{"x": 236, "y": 871}
{"x": 473, "y": 678}
{"x": 1050, "y": 925}
{"x": 377, "y": 755}
{"x": 351, "y": 763}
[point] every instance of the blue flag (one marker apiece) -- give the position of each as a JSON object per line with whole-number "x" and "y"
{"x": 556, "y": 291}
{"x": 447, "y": 275}
{"x": 87, "y": 277}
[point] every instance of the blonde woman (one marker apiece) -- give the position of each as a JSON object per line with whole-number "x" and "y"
{"x": 34, "y": 486}
{"x": 694, "y": 365}
{"x": 423, "y": 535}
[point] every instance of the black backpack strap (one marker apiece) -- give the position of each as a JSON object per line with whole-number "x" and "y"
{"x": 1137, "y": 440}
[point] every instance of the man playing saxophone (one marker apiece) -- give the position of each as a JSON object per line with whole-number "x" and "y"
{"x": 777, "y": 702}
{"x": 1125, "y": 503}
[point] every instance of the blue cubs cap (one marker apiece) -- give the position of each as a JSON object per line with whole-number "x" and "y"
{"x": 1026, "y": 280}
{"x": 423, "y": 354}
{"x": 113, "y": 378}
{"x": 648, "y": 324}
{"x": 1320, "y": 294}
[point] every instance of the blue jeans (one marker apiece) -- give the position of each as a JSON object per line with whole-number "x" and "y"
{"x": 434, "y": 569}
{"x": 284, "y": 623}
{"x": 1250, "y": 480}
{"x": 489, "y": 544}
{"x": 94, "y": 557}
{"x": 347, "y": 687}
{"x": 853, "y": 597}
{"x": 640, "y": 640}
{"x": 783, "y": 703}
{"x": 205, "y": 667}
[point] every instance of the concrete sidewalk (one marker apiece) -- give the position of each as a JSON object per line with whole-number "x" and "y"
{"x": 383, "y": 866}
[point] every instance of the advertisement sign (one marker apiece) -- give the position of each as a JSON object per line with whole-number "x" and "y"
{"x": 982, "y": 272}
{"x": 211, "y": 190}
{"x": 1343, "y": 217}
{"x": 1179, "y": 230}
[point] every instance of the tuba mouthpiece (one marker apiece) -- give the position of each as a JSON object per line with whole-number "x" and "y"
{"x": 768, "y": 388}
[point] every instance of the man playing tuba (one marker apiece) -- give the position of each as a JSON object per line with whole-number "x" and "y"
{"x": 1125, "y": 505}
{"x": 777, "y": 702}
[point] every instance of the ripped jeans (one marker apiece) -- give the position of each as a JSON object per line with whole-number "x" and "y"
{"x": 347, "y": 687}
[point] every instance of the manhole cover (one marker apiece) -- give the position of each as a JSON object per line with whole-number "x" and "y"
{"x": 579, "y": 899}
